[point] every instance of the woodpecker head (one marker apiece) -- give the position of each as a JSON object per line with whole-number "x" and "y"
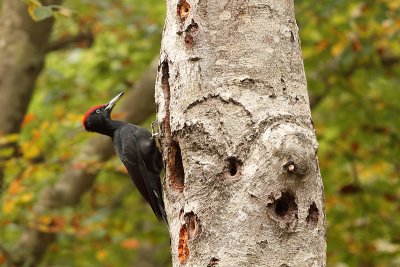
{"x": 97, "y": 118}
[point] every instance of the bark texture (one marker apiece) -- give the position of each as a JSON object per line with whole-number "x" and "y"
{"x": 242, "y": 186}
{"x": 23, "y": 44}
{"x": 76, "y": 181}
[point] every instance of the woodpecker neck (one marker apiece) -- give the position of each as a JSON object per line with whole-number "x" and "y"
{"x": 108, "y": 127}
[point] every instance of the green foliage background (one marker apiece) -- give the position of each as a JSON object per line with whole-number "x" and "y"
{"x": 351, "y": 53}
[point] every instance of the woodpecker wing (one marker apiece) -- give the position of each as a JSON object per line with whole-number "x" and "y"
{"x": 148, "y": 183}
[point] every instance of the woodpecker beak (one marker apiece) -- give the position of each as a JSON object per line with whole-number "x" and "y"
{"x": 113, "y": 101}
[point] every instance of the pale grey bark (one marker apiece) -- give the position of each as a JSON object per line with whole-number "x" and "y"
{"x": 242, "y": 186}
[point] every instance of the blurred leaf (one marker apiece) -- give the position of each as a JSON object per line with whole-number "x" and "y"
{"x": 130, "y": 244}
{"x": 101, "y": 255}
{"x": 15, "y": 187}
{"x": 39, "y": 12}
{"x": 30, "y": 150}
{"x": 9, "y": 206}
{"x": 385, "y": 246}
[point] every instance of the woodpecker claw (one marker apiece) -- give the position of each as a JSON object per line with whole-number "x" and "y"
{"x": 154, "y": 133}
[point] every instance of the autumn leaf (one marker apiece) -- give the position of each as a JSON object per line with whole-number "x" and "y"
{"x": 30, "y": 150}
{"x": 49, "y": 224}
{"x": 9, "y": 206}
{"x": 26, "y": 197}
{"x": 337, "y": 48}
{"x": 2, "y": 259}
{"x": 27, "y": 119}
{"x": 130, "y": 244}
{"x": 101, "y": 255}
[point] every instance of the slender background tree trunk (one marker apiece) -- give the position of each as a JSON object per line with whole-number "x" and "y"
{"x": 242, "y": 186}
{"x": 23, "y": 45}
{"x": 23, "y": 48}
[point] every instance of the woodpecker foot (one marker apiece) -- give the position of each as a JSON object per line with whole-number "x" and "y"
{"x": 155, "y": 133}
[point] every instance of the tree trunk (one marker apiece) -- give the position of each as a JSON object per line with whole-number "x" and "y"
{"x": 23, "y": 48}
{"x": 23, "y": 45}
{"x": 242, "y": 186}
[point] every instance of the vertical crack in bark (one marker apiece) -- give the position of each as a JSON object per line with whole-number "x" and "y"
{"x": 172, "y": 154}
{"x": 175, "y": 165}
{"x": 190, "y": 33}
{"x": 167, "y": 97}
{"x": 312, "y": 217}
{"x": 232, "y": 167}
{"x": 192, "y": 223}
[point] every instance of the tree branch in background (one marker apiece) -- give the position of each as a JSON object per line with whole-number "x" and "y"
{"x": 84, "y": 39}
{"x": 70, "y": 187}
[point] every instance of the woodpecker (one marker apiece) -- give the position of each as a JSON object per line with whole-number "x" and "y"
{"x": 137, "y": 149}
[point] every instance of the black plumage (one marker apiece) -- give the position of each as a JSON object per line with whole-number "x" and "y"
{"x": 137, "y": 150}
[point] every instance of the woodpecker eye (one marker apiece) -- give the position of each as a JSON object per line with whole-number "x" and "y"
{"x": 97, "y": 110}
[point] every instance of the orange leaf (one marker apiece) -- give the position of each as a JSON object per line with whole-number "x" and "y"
{"x": 357, "y": 46}
{"x": 15, "y": 187}
{"x": 322, "y": 45}
{"x": 130, "y": 244}
{"x": 101, "y": 255}
{"x": 27, "y": 119}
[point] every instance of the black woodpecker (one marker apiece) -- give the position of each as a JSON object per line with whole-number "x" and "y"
{"x": 137, "y": 149}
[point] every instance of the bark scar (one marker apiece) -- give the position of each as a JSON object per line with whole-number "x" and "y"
{"x": 188, "y": 231}
{"x": 183, "y": 10}
{"x": 213, "y": 262}
{"x": 171, "y": 149}
{"x": 312, "y": 217}
{"x": 219, "y": 97}
{"x": 183, "y": 248}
